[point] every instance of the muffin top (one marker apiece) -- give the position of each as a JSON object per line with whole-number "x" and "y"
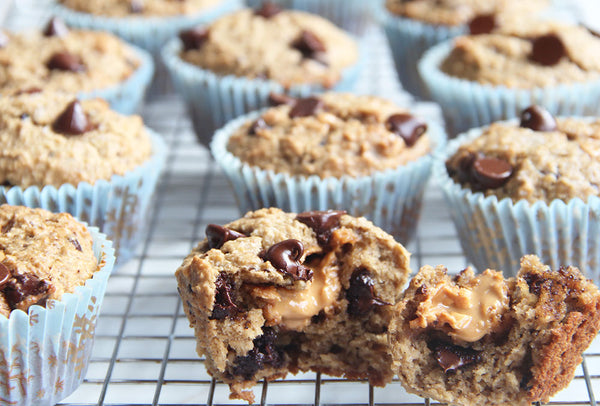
{"x": 526, "y": 56}
{"x": 42, "y": 256}
{"x": 458, "y": 12}
{"x": 289, "y": 47}
{"x": 541, "y": 159}
{"x": 332, "y": 135}
{"x": 144, "y": 8}
{"x": 62, "y": 59}
{"x": 52, "y": 139}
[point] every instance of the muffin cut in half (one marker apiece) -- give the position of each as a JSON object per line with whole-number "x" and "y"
{"x": 277, "y": 292}
{"x": 469, "y": 340}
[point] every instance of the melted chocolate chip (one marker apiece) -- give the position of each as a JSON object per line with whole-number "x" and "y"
{"x": 72, "y": 121}
{"x": 75, "y": 243}
{"x": 547, "y": 50}
{"x": 323, "y": 223}
{"x": 268, "y": 10}
{"x": 360, "y": 296}
{"x": 3, "y": 39}
{"x": 277, "y": 99}
{"x": 56, "y": 28}
{"x": 218, "y": 235}
{"x": 285, "y": 257}
{"x": 536, "y": 282}
{"x": 406, "y": 126}
{"x": 310, "y": 46}
{"x": 65, "y": 61}
{"x": 136, "y": 6}
{"x": 491, "y": 173}
{"x": 451, "y": 357}
{"x": 305, "y": 107}
{"x": 538, "y": 119}
{"x": 193, "y": 38}
{"x": 4, "y": 275}
{"x": 259, "y": 124}
{"x": 264, "y": 354}
{"x": 21, "y": 286}
{"x": 482, "y": 24}
{"x": 224, "y": 305}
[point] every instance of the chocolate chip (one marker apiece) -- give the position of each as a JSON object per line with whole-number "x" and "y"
{"x": 3, "y": 39}
{"x": 305, "y": 107}
{"x": 264, "y": 354}
{"x": 277, "y": 99}
{"x": 75, "y": 243}
{"x": 323, "y": 223}
{"x": 218, "y": 235}
{"x": 259, "y": 124}
{"x": 491, "y": 173}
{"x": 538, "y": 119}
{"x": 56, "y": 28}
{"x": 21, "y": 286}
{"x": 224, "y": 305}
{"x": 65, "y": 61}
{"x": 482, "y": 24}
{"x": 547, "y": 50}
{"x": 268, "y": 10}
{"x": 72, "y": 121}
{"x": 285, "y": 257}
{"x": 136, "y": 6}
{"x": 406, "y": 126}
{"x": 309, "y": 45}
{"x": 194, "y": 38}
{"x": 451, "y": 357}
{"x": 4, "y": 275}
{"x": 360, "y": 296}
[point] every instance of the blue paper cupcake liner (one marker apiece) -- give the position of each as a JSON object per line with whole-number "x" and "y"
{"x": 497, "y": 233}
{"x": 214, "y": 100}
{"x": 127, "y": 96}
{"x": 118, "y": 207}
{"x": 467, "y": 104}
{"x": 409, "y": 39}
{"x": 391, "y": 199}
{"x": 45, "y": 352}
{"x": 351, "y": 15}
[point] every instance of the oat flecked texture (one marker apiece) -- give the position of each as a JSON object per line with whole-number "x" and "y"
{"x": 144, "y": 8}
{"x": 34, "y": 154}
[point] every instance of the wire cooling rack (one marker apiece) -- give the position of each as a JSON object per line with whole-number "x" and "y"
{"x": 144, "y": 352}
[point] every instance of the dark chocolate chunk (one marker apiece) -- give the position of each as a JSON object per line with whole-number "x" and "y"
{"x": 323, "y": 223}
{"x": 3, "y": 39}
{"x": 264, "y": 354}
{"x": 537, "y": 282}
{"x": 218, "y": 235}
{"x": 56, "y": 28}
{"x": 406, "y": 126}
{"x": 305, "y": 107}
{"x": 277, "y": 99}
{"x": 538, "y": 119}
{"x": 4, "y": 275}
{"x": 268, "y": 10}
{"x": 360, "y": 295}
{"x": 451, "y": 357}
{"x": 136, "y": 6}
{"x": 482, "y": 24}
{"x": 547, "y": 50}
{"x": 224, "y": 305}
{"x": 309, "y": 45}
{"x": 72, "y": 121}
{"x": 285, "y": 257}
{"x": 193, "y": 38}
{"x": 259, "y": 124}
{"x": 491, "y": 173}
{"x": 75, "y": 243}
{"x": 20, "y": 286}
{"x": 65, "y": 61}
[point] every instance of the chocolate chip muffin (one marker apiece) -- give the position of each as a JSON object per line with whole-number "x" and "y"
{"x": 144, "y": 8}
{"x": 60, "y": 59}
{"x": 288, "y": 47}
{"x": 43, "y": 256}
{"x": 542, "y": 158}
{"x": 277, "y": 292}
{"x": 484, "y": 339}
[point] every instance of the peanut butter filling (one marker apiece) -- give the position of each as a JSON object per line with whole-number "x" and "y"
{"x": 467, "y": 312}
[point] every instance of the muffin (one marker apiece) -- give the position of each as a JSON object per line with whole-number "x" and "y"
{"x": 80, "y": 157}
{"x": 54, "y": 273}
{"x": 229, "y": 68}
{"x": 277, "y": 292}
{"x": 87, "y": 63}
{"x": 467, "y": 339}
{"x": 488, "y": 77}
{"x": 516, "y": 188}
{"x": 361, "y": 154}
{"x": 412, "y": 27}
